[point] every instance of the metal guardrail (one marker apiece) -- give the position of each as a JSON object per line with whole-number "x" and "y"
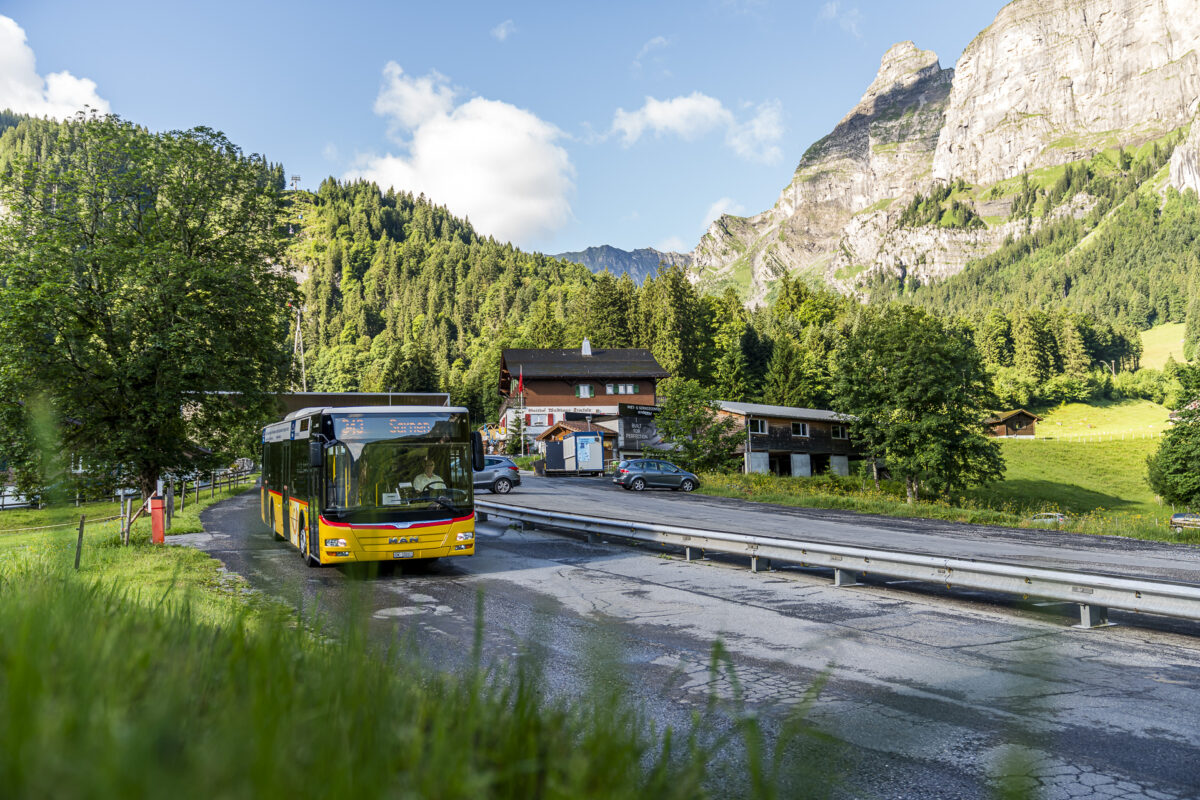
{"x": 1094, "y": 594}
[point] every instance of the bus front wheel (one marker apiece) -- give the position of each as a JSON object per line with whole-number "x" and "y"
{"x": 306, "y": 545}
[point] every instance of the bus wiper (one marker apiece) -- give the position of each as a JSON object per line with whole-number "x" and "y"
{"x": 446, "y": 504}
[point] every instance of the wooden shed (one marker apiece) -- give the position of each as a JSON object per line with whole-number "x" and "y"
{"x": 1019, "y": 424}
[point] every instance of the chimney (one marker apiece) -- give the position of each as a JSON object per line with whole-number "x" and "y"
{"x": 587, "y": 347}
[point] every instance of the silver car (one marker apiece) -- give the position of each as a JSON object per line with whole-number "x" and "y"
{"x": 651, "y": 473}
{"x": 499, "y": 474}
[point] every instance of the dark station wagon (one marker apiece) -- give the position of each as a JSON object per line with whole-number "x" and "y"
{"x": 650, "y": 473}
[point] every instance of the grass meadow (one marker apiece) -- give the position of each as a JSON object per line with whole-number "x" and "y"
{"x": 1161, "y": 342}
{"x": 1123, "y": 420}
{"x": 1100, "y": 485}
{"x": 150, "y": 672}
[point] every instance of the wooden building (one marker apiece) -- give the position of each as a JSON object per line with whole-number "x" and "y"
{"x": 1019, "y": 424}
{"x": 580, "y": 382}
{"x": 800, "y": 442}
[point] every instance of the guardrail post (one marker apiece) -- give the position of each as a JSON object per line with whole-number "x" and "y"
{"x": 843, "y": 578}
{"x": 1091, "y": 616}
{"x": 687, "y": 554}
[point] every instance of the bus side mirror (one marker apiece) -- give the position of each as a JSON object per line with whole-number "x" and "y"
{"x": 316, "y": 453}
{"x": 477, "y": 462}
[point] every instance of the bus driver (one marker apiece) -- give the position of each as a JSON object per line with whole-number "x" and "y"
{"x": 427, "y": 479}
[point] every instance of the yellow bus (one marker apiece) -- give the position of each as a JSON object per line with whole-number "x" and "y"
{"x": 373, "y": 483}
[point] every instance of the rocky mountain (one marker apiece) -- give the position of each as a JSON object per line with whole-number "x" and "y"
{"x": 1049, "y": 82}
{"x": 638, "y": 264}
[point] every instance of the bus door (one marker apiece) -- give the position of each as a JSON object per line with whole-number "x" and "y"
{"x": 285, "y": 488}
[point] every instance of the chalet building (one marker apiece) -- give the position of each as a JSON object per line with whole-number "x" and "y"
{"x": 544, "y": 387}
{"x": 1019, "y": 424}
{"x": 799, "y": 442}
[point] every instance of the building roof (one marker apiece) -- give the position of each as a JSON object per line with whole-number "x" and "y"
{"x": 572, "y": 363}
{"x": 1003, "y": 416}
{"x": 568, "y": 426}
{"x": 784, "y": 412}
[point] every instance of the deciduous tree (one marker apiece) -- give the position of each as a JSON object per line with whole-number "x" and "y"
{"x": 141, "y": 291}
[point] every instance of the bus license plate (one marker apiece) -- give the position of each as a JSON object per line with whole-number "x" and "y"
{"x": 404, "y": 554}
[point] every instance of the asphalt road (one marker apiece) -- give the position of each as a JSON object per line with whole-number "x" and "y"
{"x": 1109, "y": 555}
{"x": 933, "y": 693}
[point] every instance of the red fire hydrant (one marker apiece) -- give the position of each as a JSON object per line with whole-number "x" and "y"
{"x": 158, "y": 513}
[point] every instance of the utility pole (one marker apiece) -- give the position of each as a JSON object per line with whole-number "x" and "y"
{"x": 295, "y": 182}
{"x": 298, "y": 345}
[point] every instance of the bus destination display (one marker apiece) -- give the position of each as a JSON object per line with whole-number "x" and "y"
{"x": 381, "y": 427}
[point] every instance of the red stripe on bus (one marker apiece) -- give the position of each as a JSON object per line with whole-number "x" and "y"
{"x": 277, "y": 494}
{"x": 393, "y": 527}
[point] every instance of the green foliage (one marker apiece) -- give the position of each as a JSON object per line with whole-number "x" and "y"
{"x": 138, "y": 278}
{"x": 1174, "y": 471}
{"x": 1132, "y": 259}
{"x": 919, "y": 392}
{"x": 689, "y": 420}
{"x": 938, "y": 208}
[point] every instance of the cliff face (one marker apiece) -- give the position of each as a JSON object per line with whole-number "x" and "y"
{"x": 881, "y": 149}
{"x": 1185, "y": 161}
{"x": 1049, "y": 82}
{"x": 1053, "y": 81}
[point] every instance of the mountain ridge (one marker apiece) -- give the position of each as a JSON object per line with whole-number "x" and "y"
{"x": 1046, "y": 84}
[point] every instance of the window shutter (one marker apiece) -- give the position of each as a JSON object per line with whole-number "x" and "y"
{"x": 549, "y": 419}
{"x": 635, "y": 389}
{"x": 527, "y": 418}
{"x": 577, "y": 391}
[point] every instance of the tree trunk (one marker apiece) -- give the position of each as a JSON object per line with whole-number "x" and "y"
{"x": 910, "y": 485}
{"x": 875, "y": 472}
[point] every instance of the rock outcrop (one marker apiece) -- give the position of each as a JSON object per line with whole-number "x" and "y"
{"x": 1185, "y": 161}
{"x": 879, "y": 151}
{"x": 1048, "y": 82}
{"x": 1054, "y": 81}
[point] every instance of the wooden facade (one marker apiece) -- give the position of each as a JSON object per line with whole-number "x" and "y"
{"x": 793, "y": 441}
{"x": 1019, "y": 424}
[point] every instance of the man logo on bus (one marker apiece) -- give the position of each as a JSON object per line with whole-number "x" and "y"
{"x": 403, "y": 540}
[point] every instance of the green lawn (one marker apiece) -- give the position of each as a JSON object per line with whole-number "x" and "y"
{"x": 1101, "y": 485}
{"x": 1077, "y": 477}
{"x": 1160, "y": 342}
{"x": 1135, "y": 419}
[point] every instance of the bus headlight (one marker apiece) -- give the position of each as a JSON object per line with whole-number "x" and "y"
{"x": 335, "y": 543}
{"x": 466, "y": 537}
{"x": 462, "y": 547}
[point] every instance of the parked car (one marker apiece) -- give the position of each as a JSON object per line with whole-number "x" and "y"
{"x": 1184, "y": 520}
{"x": 1048, "y": 518}
{"x": 650, "y": 473}
{"x": 499, "y": 474}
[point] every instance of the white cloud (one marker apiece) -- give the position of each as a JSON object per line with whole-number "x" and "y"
{"x": 504, "y": 30}
{"x": 755, "y": 139}
{"x": 410, "y": 102}
{"x": 687, "y": 117}
{"x": 725, "y": 205}
{"x": 657, "y": 43}
{"x": 847, "y": 18}
{"x": 497, "y": 164}
{"x": 58, "y": 95}
{"x": 696, "y": 114}
{"x": 330, "y": 152}
{"x": 672, "y": 244}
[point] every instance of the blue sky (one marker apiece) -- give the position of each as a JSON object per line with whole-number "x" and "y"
{"x": 554, "y": 125}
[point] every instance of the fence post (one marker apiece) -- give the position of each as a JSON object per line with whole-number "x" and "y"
{"x": 79, "y": 542}
{"x": 183, "y": 498}
{"x": 212, "y": 485}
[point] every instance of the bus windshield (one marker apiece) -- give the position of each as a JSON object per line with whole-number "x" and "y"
{"x": 422, "y": 473}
